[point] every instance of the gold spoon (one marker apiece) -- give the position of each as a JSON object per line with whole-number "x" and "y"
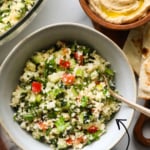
{"x": 131, "y": 104}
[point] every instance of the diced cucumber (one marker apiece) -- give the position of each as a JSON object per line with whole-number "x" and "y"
{"x": 80, "y": 72}
{"x": 37, "y": 58}
{"x": 61, "y": 124}
{"x": 74, "y": 91}
{"x": 72, "y": 63}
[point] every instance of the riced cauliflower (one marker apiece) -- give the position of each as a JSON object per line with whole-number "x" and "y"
{"x": 62, "y": 98}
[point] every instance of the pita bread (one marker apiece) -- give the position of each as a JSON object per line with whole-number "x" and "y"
{"x": 144, "y": 74}
{"x": 144, "y": 80}
{"x": 137, "y": 49}
{"x": 146, "y": 41}
{"x": 132, "y": 48}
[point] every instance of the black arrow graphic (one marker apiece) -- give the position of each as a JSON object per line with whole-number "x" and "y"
{"x": 120, "y": 122}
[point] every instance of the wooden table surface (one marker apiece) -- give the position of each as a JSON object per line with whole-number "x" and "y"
{"x": 2, "y": 145}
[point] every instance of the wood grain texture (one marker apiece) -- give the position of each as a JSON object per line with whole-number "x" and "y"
{"x": 2, "y": 145}
{"x": 138, "y": 129}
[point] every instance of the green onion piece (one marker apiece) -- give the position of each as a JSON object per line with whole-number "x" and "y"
{"x": 109, "y": 71}
{"x": 79, "y": 72}
{"x": 84, "y": 101}
{"x": 74, "y": 91}
{"x": 28, "y": 117}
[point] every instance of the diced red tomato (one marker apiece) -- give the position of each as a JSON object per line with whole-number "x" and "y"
{"x": 69, "y": 141}
{"x": 68, "y": 79}
{"x": 36, "y": 87}
{"x": 65, "y": 51}
{"x": 79, "y": 58}
{"x": 97, "y": 82}
{"x": 92, "y": 129}
{"x": 42, "y": 126}
{"x": 79, "y": 140}
{"x": 64, "y": 63}
{"x": 78, "y": 98}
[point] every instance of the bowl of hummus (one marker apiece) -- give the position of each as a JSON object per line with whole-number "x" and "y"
{"x": 118, "y": 15}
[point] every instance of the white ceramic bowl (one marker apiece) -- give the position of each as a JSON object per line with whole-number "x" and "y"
{"x": 13, "y": 66}
{"x": 23, "y": 22}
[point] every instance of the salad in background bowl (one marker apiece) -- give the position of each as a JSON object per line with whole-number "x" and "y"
{"x": 15, "y": 16}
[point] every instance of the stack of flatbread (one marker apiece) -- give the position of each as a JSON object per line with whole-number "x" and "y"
{"x": 137, "y": 49}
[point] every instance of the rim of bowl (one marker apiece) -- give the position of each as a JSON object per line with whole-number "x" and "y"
{"x": 5, "y": 35}
{"x": 81, "y": 26}
{"x": 97, "y": 19}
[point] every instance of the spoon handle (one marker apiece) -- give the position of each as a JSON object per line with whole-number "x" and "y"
{"x": 133, "y": 105}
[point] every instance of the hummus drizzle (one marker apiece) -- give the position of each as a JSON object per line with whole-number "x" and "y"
{"x": 115, "y": 13}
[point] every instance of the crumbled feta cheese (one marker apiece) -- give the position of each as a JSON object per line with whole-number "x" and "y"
{"x": 61, "y": 143}
{"x": 50, "y": 105}
{"x": 55, "y": 76}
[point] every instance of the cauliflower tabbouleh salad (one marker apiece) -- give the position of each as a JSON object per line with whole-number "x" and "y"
{"x": 62, "y": 98}
{"x": 11, "y": 11}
